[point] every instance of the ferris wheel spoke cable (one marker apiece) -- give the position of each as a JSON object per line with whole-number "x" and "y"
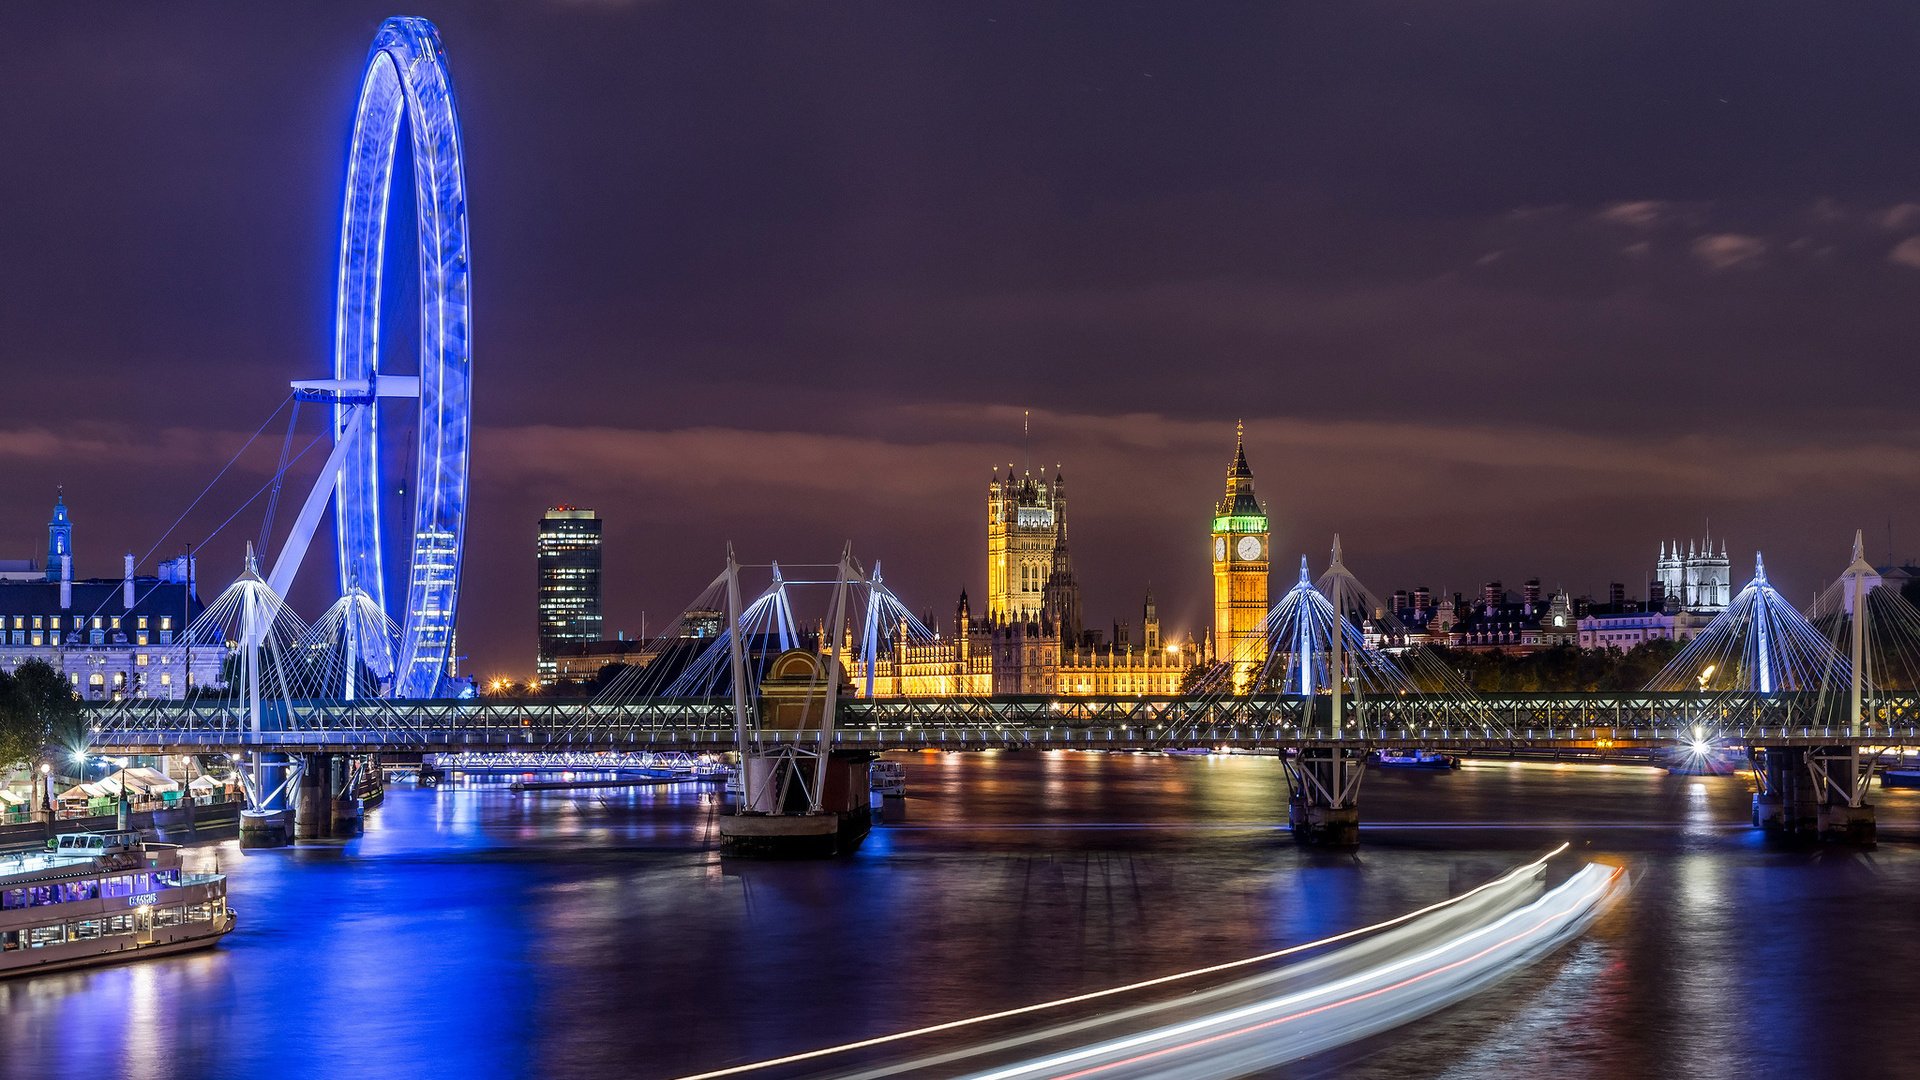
{"x": 216, "y": 478}
{"x": 279, "y": 475}
{"x": 107, "y": 598}
{"x": 264, "y": 488}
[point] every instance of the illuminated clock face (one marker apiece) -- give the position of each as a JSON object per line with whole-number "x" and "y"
{"x": 1219, "y": 548}
{"x": 1248, "y": 548}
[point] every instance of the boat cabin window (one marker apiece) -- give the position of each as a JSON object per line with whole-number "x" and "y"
{"x": 63, "y": 892}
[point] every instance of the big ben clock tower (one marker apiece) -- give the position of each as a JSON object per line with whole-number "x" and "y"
{"x": 1240, "y": 559}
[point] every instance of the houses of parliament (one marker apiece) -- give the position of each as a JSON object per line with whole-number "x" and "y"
{"x": 1029, "y": 637}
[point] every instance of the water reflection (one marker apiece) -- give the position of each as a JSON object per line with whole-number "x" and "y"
{"x": 492, "y": 933}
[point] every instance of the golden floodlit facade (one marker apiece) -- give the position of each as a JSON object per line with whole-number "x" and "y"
{"x": 1241, "y": 553}
{"x": 990, "y": 657}
{"x": 1030, "y": 639}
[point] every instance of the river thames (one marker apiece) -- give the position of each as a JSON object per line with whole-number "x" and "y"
{"x": 477, "y": 932}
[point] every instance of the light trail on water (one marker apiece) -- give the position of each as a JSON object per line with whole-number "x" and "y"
{"x": 1287, "y": 1028}
{"x": 1512, "y": 877}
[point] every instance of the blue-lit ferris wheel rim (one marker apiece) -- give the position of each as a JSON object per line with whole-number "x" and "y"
{"x": 406, "y": 75}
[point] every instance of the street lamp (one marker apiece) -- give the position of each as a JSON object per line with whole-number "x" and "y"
{"x": 1700, "y": 745}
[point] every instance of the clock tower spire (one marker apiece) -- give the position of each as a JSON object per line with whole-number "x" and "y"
{"x": 1240, "y": 561}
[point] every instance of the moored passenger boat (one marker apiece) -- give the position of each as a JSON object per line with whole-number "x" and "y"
{"x": 1415, "y": 759}
{"x": 887, "y": 777}
{"x": 97, "y": 898}
{"x": 1901, "y": 776}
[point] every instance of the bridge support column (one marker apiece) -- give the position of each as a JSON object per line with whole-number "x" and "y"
{"x": 313, "y": 804}
{"x": 348, "y": 772}
{"x": 265, "y": 822}
{"x": 1811, "y": 794}
{"x": 1844, "y": 816}
{"x": 773, "y": 826}
{"x": 1783, "y": 806}
{"x": 1323, "y": 808}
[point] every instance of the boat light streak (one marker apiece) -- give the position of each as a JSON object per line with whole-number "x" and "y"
{"x": 950, "y": 1025}
{"x": 1561, "y": 909}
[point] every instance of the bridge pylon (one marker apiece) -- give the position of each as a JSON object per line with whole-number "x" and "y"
{"x": 1819, "y": 792}
{"x": 799, "y": 796}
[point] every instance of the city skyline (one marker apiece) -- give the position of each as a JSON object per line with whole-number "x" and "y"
{"x": 1025, "y": 539}
{"x": 1533, "y": 348}
{"x": 1190, "y": 610}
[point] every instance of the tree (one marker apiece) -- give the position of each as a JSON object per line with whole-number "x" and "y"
{"x": 1561, "y": 669}
{"x": 18, "y": 745}
{"x": 607, "y": 676}
{"x": 1204, "y": 678}
{"x": 1635, "y": 669}
{"x": 38, "y": 710}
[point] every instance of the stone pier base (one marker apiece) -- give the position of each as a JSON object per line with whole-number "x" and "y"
{"x": 1786, "y": 820}
{"x": 347, "y": 818}
{"x": 1791, "y": 809}
{"x": 313, "y": 799}
{"x": 264, "y": 829}
{"x": 1850, "y": 825}
{"x": 1325, "y": 826}
{"x": 794, "y": 836}
{"x": 1323, "y": 807}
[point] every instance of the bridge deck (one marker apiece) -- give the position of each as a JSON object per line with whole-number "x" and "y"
{"x": 1544, "y": 720}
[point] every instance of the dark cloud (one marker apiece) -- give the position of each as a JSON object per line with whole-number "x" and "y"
{"x": 1504, "y": 289}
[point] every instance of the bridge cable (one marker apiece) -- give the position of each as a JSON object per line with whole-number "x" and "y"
{"x": 264, "y": 488}
{"x": 216, "y": 479}
{"x": 67, "y": 641}
{"x": 280, "y": 475}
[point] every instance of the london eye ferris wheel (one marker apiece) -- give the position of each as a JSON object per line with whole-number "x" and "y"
{"x": 406, "y": 79}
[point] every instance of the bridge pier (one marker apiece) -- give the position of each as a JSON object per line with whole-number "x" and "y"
{"x": 1323, "y": 806}
{"x": 347, "y": 804}
{"x": 313, "y": 802}
{"x": 1845, "y": 817}
{"x": 1812, "y": 795}
{"x": 772, "y": 826}
{"x": 264, "y": 823}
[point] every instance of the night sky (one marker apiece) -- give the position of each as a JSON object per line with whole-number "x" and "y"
{"x": 1502, "y": 290}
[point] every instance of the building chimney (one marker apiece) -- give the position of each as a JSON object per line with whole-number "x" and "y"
{"x": 126, "y": 585}
{"x": 66, "y": 582}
